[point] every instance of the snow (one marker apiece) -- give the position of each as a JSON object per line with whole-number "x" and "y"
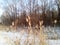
{"x": 8, "y": 38}
{"x": 54, "y": 42}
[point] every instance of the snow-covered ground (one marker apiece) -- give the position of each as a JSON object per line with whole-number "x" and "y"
{"x": 54, "y": 42}
{"x": 10, "y": 38}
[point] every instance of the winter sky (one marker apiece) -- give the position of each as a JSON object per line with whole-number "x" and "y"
{"x": 3, "y": 4}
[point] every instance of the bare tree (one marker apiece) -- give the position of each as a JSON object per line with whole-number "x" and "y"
{"x": 10, "y": 13}
{"x": 58, "y": 7}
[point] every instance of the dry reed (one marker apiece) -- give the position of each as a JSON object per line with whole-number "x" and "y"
{"x": 42, "y": 36}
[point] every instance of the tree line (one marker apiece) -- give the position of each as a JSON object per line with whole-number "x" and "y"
{"x": 46, "y": 10}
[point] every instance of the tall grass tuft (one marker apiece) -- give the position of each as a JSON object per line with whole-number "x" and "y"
{"x": 41, "y": 35}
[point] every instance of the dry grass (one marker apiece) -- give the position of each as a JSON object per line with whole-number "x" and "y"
{"x": 33, "y": 33}
{"x": 41, "y": 35}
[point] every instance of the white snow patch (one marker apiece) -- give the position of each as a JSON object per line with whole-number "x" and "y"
{"x": 8, "y": 38}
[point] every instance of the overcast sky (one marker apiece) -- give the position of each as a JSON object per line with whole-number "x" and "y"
{"x": 1, "y": 7}
{"x": 4, "y": 3}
